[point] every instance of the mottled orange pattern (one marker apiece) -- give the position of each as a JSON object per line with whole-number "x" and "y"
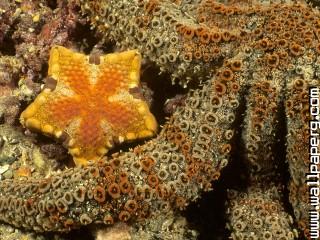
{"x": 86, "y": 103}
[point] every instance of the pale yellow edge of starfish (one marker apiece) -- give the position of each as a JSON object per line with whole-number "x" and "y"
{"x": 151, "y": 125}
{"x": 28, "y": 116}
{"x": 80, "y": 161}
{"x": 54, "y": 61}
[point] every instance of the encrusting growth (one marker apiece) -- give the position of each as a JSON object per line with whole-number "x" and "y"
{"x": 259, "y": 214}
{"x": 87, "y": 104}
{"x": 297, "y": 111}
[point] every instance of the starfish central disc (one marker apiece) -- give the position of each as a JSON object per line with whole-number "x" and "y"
{"x": 86, "y": 102}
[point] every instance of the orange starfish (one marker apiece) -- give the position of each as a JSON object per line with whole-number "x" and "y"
{"x": 87, "y": 103}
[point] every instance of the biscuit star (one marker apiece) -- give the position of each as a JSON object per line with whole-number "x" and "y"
{"x": 87, "y": 103}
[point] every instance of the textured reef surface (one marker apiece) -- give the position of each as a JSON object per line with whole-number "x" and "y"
{"x": 238, "y": 74}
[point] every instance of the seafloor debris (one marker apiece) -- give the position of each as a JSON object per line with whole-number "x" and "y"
{"x": 22, "y": 156}
{"x": 169, "y": 226}
{"x": 10, "y": 233}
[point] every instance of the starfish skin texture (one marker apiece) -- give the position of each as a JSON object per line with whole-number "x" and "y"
{"x": 88, "y": 105}
{"x": 203, "y": 38}
{"x": 257, "y": 61}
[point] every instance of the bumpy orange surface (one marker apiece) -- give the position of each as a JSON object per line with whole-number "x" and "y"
{"x": 86, "y": 102}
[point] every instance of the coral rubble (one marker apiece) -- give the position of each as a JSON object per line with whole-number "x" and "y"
{"x": 164, "y": 226}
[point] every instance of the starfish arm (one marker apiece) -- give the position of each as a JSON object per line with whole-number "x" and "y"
{"x": 89, "y": 141}
{"x": 298, "y": 117}
{"x": 167, "y": 171}
{"x": 58, "y": 103}
{"x": 134, "y": 121}
{"x": 168, "y": 44}
{"x": 252, "y": 211}
{"x": 261, "y": 124}
{"x": 49, "y": 115}
{"x": 63, "y": 111}
{"x": 247, "y": 212}
{"x": 71, "y": 70}
{"x": 119, "y": 71}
